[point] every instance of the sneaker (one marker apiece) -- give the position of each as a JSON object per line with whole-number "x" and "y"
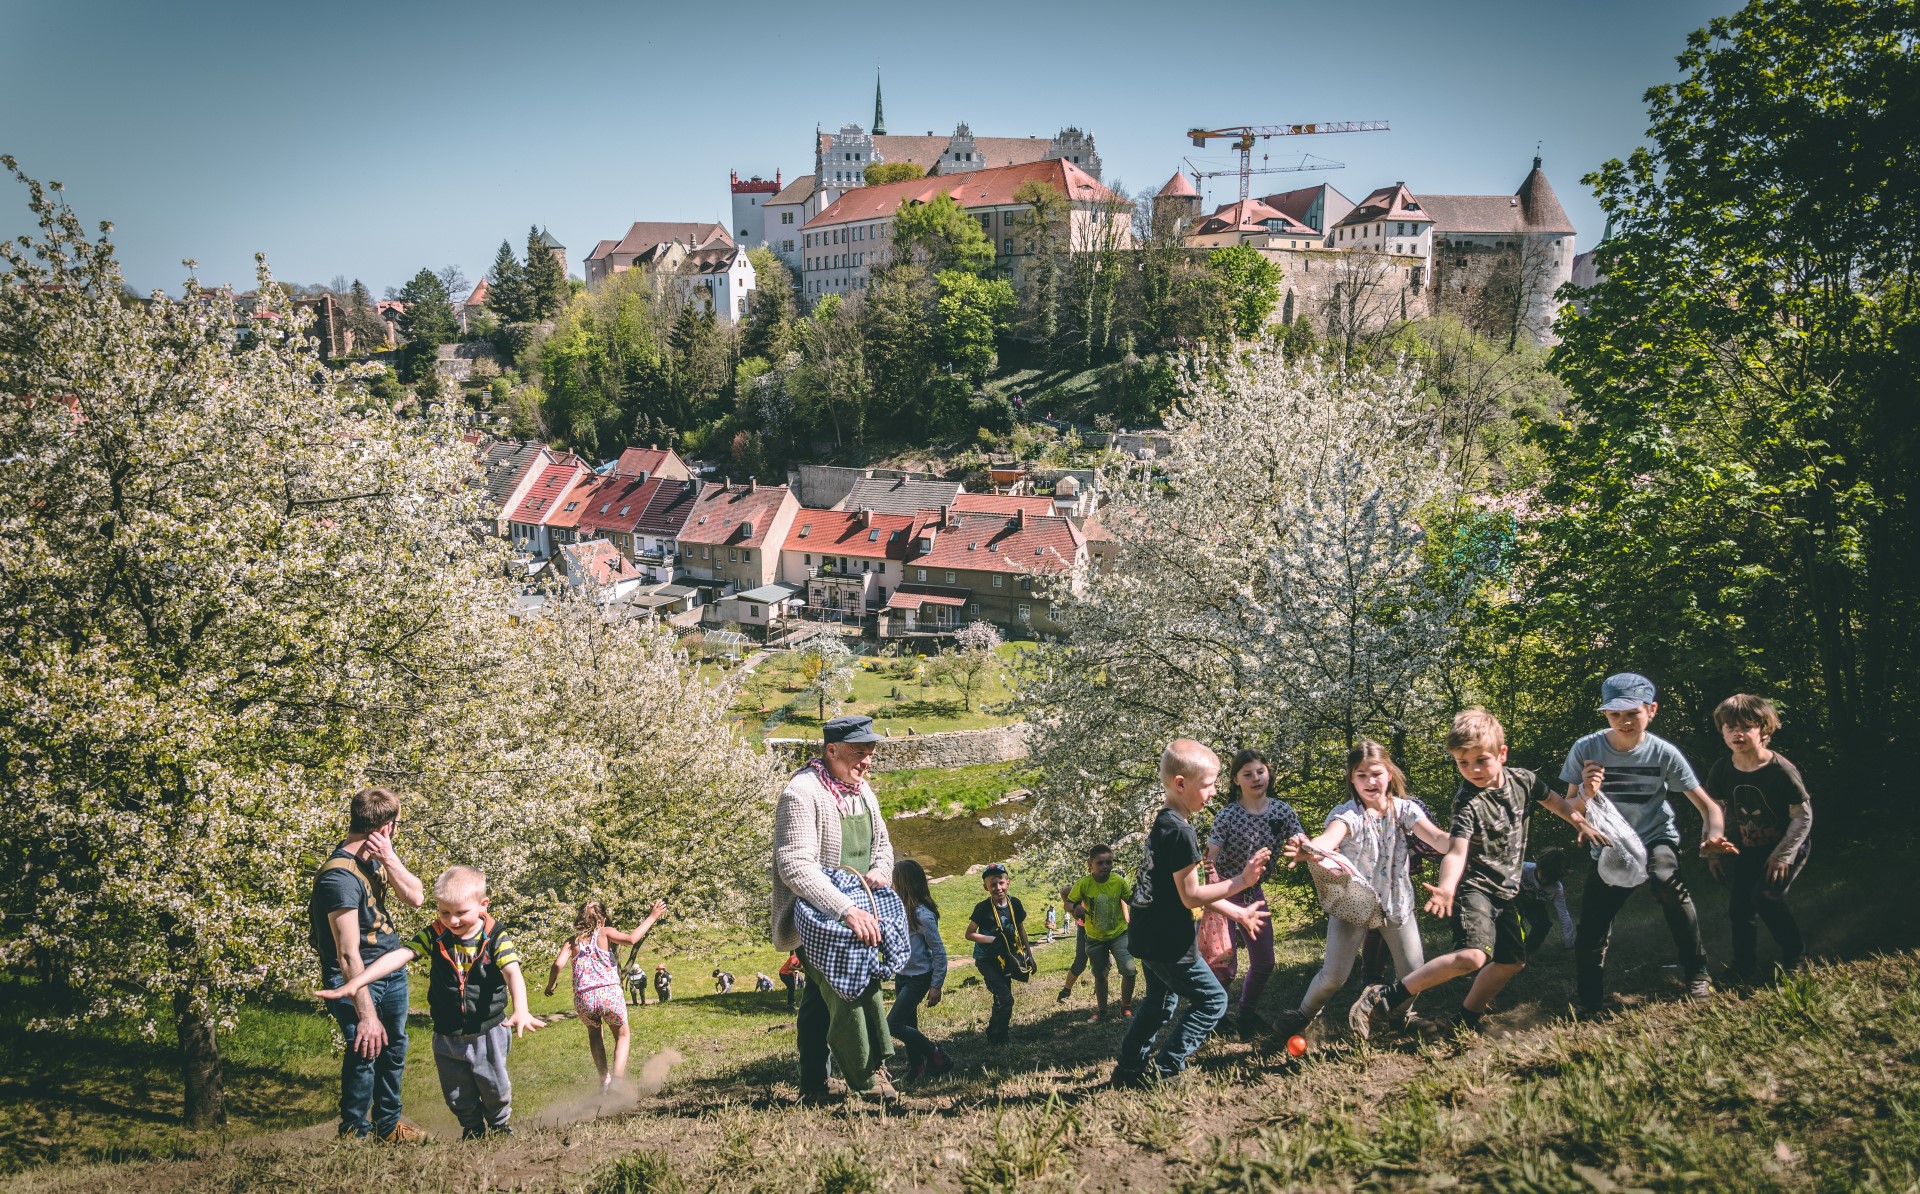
{"x": 822, "y": 1098}
{"x": 1133, "y": 1079}
{"x": 1095, "y": 1018}
{"x": 1418, "y": 1024}
{"x": 1700, "y": 986}
{"x": 883, "y": 1088}
{"x": 1369, "y": 1011}
{"x": 1470, "y": 1021}
{"x": 1253, "y": 1025}
{"x": 1065, "y": 994}
{"x": 502, "y": 1130}
{"x": 942, "y": 1063}
{"x": 403, "y": 1133}
{"x": 917, "y": 1070}
{"x": 1293, "y": 1022}
{"x": 1126, "y": 1011}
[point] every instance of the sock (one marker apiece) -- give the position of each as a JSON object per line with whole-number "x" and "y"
{"x": 1397, "y": 994}
{"x": 1471, "y": 1018}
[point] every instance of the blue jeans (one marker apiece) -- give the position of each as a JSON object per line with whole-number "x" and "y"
{"x": 903, "y": 1019}
{"x": 1167, "y": 984}
{"x": 372, "y": 1084}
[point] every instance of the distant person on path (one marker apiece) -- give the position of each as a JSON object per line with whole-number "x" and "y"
{"x": 348, "y": 927}
{"x": 1372, "y": 832}
{"x": 1767, "y": 806}
{"x": 827, "y": 817}
{"x": 998, "y": 931}
{"x": 722, "y": 981}
{"x": 923, "y": 977}
{"x": 596, "y": 981}
{"x": 1636, "y": 769}
{"x": 1098, "y": 899}
{"x": 637, "y": 983}
{"x": 1254, "y": 821}
{"x": 1162, "y": 935}
{"x": 663, "y": 982}
{"x": 474, "y": 973}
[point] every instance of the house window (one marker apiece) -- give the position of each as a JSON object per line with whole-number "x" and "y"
{"x": 949, "y": 578}
{"x": 882, "y": 590}
{"x": 974, "y": 609}
{"x": 753, "y": 611}
{"x": 1008, "y": 248}
{"x": 733, "y": 556}
{"x": 997, "y": 578}
{"x": 703, "y": 553}
{"x": 747, "y": 556}
{"x": 920, "y": 574}
{"x": 881, "y": 568}
{"x": 1024, "y": 613}
{"x": 807, "y": 559}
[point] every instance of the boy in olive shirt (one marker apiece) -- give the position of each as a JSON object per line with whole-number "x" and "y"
{"x": 1099, "y": 899}
{"x": 1769, "y": 811}
{"x": 1480, "y": 874}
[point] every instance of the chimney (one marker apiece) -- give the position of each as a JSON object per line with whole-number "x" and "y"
{"x": 1020, "y": 519}
{"x": 726, "y": 484}
{"x": 946, "y": 516}
{"x": 863, "y": 518}
{"x": 753, "y": 484}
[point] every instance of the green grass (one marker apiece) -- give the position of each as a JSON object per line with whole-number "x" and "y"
{"x": 1810, "y": 1086}
{"x": 923, "y": 708}
{"x": 947, "y": 790}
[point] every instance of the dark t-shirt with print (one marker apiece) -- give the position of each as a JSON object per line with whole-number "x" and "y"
{"x": 1757, "y": 801}
{"x": 1494, "y": 820}
{"x": 360, "y": 886}
{"x": 1162, "y": 929}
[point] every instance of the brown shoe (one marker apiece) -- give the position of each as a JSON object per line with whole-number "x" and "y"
{"x": 405, "y": 1133}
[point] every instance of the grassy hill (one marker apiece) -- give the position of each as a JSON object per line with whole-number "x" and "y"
{"x": 1811, "y": 1085}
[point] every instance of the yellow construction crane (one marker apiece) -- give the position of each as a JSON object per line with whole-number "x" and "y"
{"x": 1244, "y": 135}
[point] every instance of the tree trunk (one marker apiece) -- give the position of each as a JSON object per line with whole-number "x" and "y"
{"x": 200, "y": 1069}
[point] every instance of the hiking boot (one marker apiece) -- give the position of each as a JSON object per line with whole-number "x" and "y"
{"x": 1293, "y": 1022}
{"x": 1418, "y": 1024}
{"x": 1253, "y": 1025}
{"x": 1368, "y": 1012}
{"x": 1134, "y": 1079}
{"x": 1700, "y": 986}
{"x": 403, "y": 1133}
{"x": 883, "y": 1088}
{"x": 1065, "y": 994}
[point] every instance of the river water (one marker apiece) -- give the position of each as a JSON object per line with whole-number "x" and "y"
{"x": 949, "y": 845}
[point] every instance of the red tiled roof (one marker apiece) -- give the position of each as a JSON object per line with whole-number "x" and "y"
{"x": 839, "y": 532}
{"x": 734, "y": 515}
{"x": 576, "y": 502}
{"x": 1387, "y": 203}
{"x": 992, "y": 543}
{"x": 596, "y": 561}
{"x": 978, "y": 188}
{"x": 616, "y": 503}
{"x": 668, "y": 506}
{"x": 1178, "y": 187}
{"x": 1251, "y": 215}
{"x": 479, "y": 296}
{"x": 915, "y": 596}
{"x": 1003, "y": 503}
{"x": 634, "y": 461}
{"x": 543, "y": 497}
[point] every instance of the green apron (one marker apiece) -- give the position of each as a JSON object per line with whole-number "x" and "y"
{"x": 857, "y": 1033}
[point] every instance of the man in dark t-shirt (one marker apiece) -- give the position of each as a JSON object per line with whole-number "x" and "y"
{"x": 348, "y": 927}
{"x": 1165, "y": 897}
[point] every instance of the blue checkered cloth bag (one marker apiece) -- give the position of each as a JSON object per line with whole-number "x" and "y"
{"x": 833, "y": 952}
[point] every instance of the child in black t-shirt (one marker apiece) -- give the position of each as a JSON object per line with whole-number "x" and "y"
{"x": 998, "y": 931}
{"x": 1770, "y": 817}
{"x": 1166, "y": 895}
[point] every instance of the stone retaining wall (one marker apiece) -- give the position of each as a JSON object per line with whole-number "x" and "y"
{"x": 954, "y": 748}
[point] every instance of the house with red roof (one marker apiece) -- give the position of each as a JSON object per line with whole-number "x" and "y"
{"x": 847, "y": 562}
{"x": 1250, "y": 222}
{"x": 986, "y": 567}
{"x": 730, "y": 545}
{"x": 640, "y": 517}
{"x": 651, "y": 461}
{"x": 846, "y": 242}
{"x": 597, "y": 565}
{"x": 650, "y": 242}
{"x": 529, "y": 525}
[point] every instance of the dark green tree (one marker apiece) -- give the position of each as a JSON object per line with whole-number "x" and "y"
{"x": 363, "y": 320}
{"x": 1731, "y": 495}
{"x": 509, "y": 295}
{"x": 771, "y": 309}
{"x": 897, "y": 323}
{"x": 546, "y": 281}
{"x": 427, "y": 323}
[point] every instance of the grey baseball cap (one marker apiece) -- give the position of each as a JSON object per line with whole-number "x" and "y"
{"x": 1625, "y": 691}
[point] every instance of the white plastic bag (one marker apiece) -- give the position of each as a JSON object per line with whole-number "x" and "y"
{"x": 1624, "y": 863}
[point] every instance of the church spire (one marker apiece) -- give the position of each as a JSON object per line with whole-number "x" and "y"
{"x": 879, "y": 113}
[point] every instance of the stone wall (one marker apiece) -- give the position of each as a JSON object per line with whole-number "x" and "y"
{"x": 954, "y": 748}
{"x": 821, "y": 486}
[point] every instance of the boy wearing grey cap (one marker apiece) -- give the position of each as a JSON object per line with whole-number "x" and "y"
{"x": 1636, "y": 770}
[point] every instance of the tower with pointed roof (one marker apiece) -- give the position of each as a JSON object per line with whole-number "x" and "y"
{"x": 879, "y": 112}
{"x": 1527, "y": 232}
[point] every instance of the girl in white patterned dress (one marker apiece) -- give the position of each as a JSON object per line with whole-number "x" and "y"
{"x": 1371, "y": 831}
{"x": 597, "y": 998}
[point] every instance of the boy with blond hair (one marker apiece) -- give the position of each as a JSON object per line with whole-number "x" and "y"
{"x": 1163, "y": 906}
{"x": 1480, "y": 873}
{"x": 1768, "y": 809}
{"x": 474, "y": 970}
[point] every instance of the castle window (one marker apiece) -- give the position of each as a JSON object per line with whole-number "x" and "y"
{"x": 1008, "y": 246}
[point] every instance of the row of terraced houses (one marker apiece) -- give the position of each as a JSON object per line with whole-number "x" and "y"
{"x": 894, "y": 556}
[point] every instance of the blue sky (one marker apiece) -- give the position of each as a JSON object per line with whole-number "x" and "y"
{"x": 371, "y": 139}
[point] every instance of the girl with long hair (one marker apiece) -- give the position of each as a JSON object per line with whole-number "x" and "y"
{"x": 596, "y": 981}
{"x": 1254, "y": 821}
{"x": 1372, "y": 833}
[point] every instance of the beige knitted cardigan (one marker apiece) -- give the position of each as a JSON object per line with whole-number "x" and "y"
{"x": 806, "y": 838}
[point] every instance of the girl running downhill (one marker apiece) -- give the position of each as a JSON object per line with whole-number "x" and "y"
{"x": 597, "y": 999}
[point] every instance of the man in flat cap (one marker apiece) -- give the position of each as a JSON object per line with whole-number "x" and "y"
{"x": 828, "y": 816}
